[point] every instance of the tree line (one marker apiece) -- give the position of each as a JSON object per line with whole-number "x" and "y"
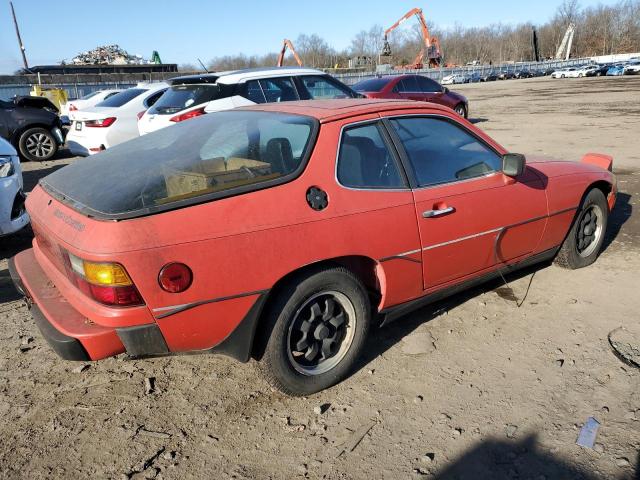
{"x": 600, "y": 30}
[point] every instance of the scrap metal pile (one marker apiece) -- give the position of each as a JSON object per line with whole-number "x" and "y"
{"x": 107, "y": 55}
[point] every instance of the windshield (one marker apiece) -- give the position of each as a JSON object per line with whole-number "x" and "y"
{"x": 209, "y": 157}
{"x": 181, "y": 97}
{"x": 372, "y": 85}
{"x": 119, "y": 99}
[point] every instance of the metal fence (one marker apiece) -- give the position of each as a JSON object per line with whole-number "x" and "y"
{"x": 74, "y": 90}
{"x": 439, "y": 73}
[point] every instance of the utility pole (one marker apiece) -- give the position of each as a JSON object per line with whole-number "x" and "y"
{"x": 15, "y": 22}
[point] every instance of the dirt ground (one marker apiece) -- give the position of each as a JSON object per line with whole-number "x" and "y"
{"x": 474, "y": 387}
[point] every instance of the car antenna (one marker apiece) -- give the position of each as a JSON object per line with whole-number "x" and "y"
{"x": 203, "y": 67}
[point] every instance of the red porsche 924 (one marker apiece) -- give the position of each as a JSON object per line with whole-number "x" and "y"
{"x": 285, "y": 232}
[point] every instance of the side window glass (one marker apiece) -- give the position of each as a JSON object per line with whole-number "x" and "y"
{"x": 254, "y": 92}
{"x": 153, "y": 98}
{"x": 408, "y": 85}
{"x": 365, "y": 161}
{"x": 278, "y": 90}
{"x": 442, "y": 152}
{"x": 427, "y": 85}
{"x": 322, "y": 88}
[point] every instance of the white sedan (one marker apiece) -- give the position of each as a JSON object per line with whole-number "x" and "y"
{"x": 92, "y": 99}
{"x": 453, "y": 79}
{"x": 13, "y": 216}
{"x": 565, "y": 73}
{"x": 112, "y": 121}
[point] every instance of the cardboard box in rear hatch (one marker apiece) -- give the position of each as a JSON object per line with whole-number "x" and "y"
{"x": 214, "y": 174}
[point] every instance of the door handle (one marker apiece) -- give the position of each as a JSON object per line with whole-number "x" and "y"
{"x": 437, "y": 213}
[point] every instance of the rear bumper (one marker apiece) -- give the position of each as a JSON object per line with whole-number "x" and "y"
{"x": 75, "y": 337}
{"x": 70, "y": 334}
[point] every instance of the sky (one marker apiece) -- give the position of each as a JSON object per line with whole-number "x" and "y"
{"x": 183, "y": 31}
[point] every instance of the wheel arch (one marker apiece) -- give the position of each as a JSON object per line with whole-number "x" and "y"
{"x": 15, "y": 138}
{"x": 366, "y": 269}
{"x": 604, "y": 186}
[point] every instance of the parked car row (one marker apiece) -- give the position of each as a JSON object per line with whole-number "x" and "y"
{"x": 631, "y": 67}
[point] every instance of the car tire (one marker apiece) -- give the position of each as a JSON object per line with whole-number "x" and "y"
{"x": 561, "y": 76}
{"x": 461, "y": 110}
{"x": 300, "y": 321}
{"x": 37, "y": 144}
{"x": 584, "y": 241}
{"x": 580, "y": 75}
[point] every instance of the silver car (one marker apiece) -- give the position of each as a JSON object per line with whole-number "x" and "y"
{"x": 13, "y": 216}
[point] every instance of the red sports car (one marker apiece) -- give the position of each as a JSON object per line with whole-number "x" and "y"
{"x": 413, "y": 87}
{"x": 284, "y": 232}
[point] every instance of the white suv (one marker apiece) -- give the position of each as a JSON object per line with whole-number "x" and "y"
{"x": 195, "y": 95}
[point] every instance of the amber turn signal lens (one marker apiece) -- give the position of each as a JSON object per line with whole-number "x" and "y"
{"x": 175, "y": 277}
{"x": 106, "y": 274}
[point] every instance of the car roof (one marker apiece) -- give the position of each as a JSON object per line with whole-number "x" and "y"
{"x": 336, "y": 109}
{"x": 236, "y": 76}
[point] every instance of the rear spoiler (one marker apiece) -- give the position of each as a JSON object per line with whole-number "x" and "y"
{"x": 599, "y": 159}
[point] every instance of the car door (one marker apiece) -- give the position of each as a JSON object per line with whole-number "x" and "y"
{"x": 321, "y": 87}
{"x": 431, "y": 90}
{"x": 4, "y": 120}
{"x": 408, "y": 88}
{"x": 471, "y": 216}
{"x": 376, "y": 202}
{"x": 279, "y": 89}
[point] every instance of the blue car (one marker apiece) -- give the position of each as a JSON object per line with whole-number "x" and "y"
{"x": 615, "y": 70}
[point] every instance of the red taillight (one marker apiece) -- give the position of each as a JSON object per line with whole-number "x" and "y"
{"x": 141, "y": 114}
{"x": 122, "y": 296}
{"x": 175, "y": 277}
{"x": 105, "y": 122}
{"x": 186, "y": 116}
{"x": 72, "y": 108}
{"x": 107, "y": 283}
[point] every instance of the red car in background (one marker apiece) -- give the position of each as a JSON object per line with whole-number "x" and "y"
{"x": 413, "y": 87}
{"x": 284, "y": 232}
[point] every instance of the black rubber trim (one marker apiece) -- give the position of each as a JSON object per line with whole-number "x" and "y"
{"x": 68, "y": 348}
{"x": 143, "y": 340}
{"x": 168, "y": 311}
{"x": 239, "y": 343}
{"x": 15, "y": 278}
{"x": 390, "y": 314}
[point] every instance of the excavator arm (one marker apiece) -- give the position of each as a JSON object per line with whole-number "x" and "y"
{"x": 429, "y": 42}
{"x": 286, "y": 44}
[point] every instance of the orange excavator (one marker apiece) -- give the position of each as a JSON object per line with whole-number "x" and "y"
{"x": 287, "y": 44}
{"x": 431, "y": 47}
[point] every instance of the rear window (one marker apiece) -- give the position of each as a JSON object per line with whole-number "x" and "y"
{"x": 373, "y": 85}
{"x": 119, "y": 99}
{"x": 208, "y": 157}
{"x": 181, "y": 97}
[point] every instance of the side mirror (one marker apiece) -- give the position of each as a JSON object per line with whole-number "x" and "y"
{"x": 513, "y": 164}
{"x": 445, "y": 90}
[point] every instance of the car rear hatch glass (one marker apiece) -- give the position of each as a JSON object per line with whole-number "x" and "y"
{"x": 209, "y": 157}
{"x": 181, "y": 97}
{"x": 122, "y": 98}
